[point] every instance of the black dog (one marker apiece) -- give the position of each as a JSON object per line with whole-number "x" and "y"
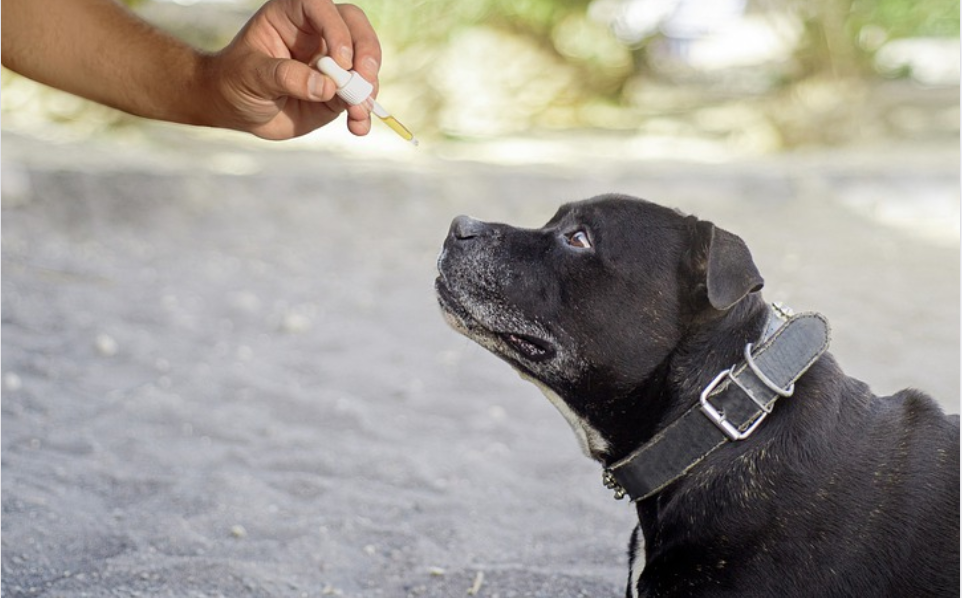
{"x": 646, "y": 329}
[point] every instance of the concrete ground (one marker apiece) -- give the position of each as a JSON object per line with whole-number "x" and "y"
{"x": 225, "y": 374}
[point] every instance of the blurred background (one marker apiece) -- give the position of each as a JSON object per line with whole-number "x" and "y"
{"x": 224, "y": 370}
{"x": 704, "y": 78}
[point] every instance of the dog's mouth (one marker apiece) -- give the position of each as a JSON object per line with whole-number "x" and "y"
{"x": 530, "y": 348}
{"x": 533, "y": 348}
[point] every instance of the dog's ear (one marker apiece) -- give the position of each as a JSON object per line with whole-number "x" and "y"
{"x": 723, "y": 266}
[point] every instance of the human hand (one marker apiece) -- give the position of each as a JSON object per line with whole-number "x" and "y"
{"x": 262, "y": 82}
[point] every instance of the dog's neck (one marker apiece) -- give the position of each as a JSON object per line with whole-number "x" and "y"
{"x": 708, "y": 347}
{"x": 711, "y": 346}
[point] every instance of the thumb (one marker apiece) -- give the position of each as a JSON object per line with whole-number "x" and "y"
{"x": 284, "y": 77}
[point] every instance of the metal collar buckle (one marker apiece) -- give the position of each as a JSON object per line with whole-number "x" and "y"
{"x": 717, "y": 416}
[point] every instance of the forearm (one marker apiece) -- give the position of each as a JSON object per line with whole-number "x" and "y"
{"x": 99, "y": 50}
{"x": 262, "y": 82}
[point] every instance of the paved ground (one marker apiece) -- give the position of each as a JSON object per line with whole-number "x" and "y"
{"x": 239, "y": 385}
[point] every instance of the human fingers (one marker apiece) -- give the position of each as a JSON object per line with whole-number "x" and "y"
{"x": 367, "y": 48}
{"x": 294, "y": 79}
{"x": 296, "y": 119}
{"x": 359, "y": 118}
{"x": 359, "y": 127}
{"x": 283, "y": 77}
{"x": 325, "y": 18}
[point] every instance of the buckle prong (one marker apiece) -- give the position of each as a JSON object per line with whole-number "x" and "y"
{"x": 717, "y": 416}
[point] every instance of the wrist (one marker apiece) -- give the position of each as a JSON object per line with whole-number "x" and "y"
{"x": 203, "y": 97}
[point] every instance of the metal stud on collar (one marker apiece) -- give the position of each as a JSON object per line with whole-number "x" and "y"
{"x": 608, "y": 479}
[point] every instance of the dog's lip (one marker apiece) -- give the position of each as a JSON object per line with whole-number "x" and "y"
{"x": 528, "y": 347}
{"x": 449, "y": 303}
{"x": 531, "y": 347}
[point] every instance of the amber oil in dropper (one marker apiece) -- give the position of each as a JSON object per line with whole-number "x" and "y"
{"x": 392, "y": 122}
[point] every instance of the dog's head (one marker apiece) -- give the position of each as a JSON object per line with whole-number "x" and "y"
{"x": 591, "y": 305}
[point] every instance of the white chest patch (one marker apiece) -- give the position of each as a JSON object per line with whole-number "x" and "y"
{"x": 637, "y": 566}
{"x": 592, "y": 443}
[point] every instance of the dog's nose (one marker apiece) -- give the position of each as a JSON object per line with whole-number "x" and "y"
{"x": 465, "y": 227}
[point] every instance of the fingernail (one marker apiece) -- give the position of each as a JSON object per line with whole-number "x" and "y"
{"x": 371, "y": 65}
{"x": 315, "y": 86}
{"x": 347, "y": 56}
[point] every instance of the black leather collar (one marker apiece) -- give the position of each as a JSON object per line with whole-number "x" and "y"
{"x": 729, "y": 409}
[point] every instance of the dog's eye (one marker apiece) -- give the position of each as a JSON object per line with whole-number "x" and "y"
{"x": 578, "y": 239}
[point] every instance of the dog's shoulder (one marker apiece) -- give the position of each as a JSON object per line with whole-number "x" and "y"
{"x": 918, "y": 414}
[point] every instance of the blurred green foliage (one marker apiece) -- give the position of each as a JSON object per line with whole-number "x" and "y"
{"x": 597, "y": 80}
{"x": 433, "y": 22}
{"x": 506, "y": 67}
{"x": 907, "y": 18}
